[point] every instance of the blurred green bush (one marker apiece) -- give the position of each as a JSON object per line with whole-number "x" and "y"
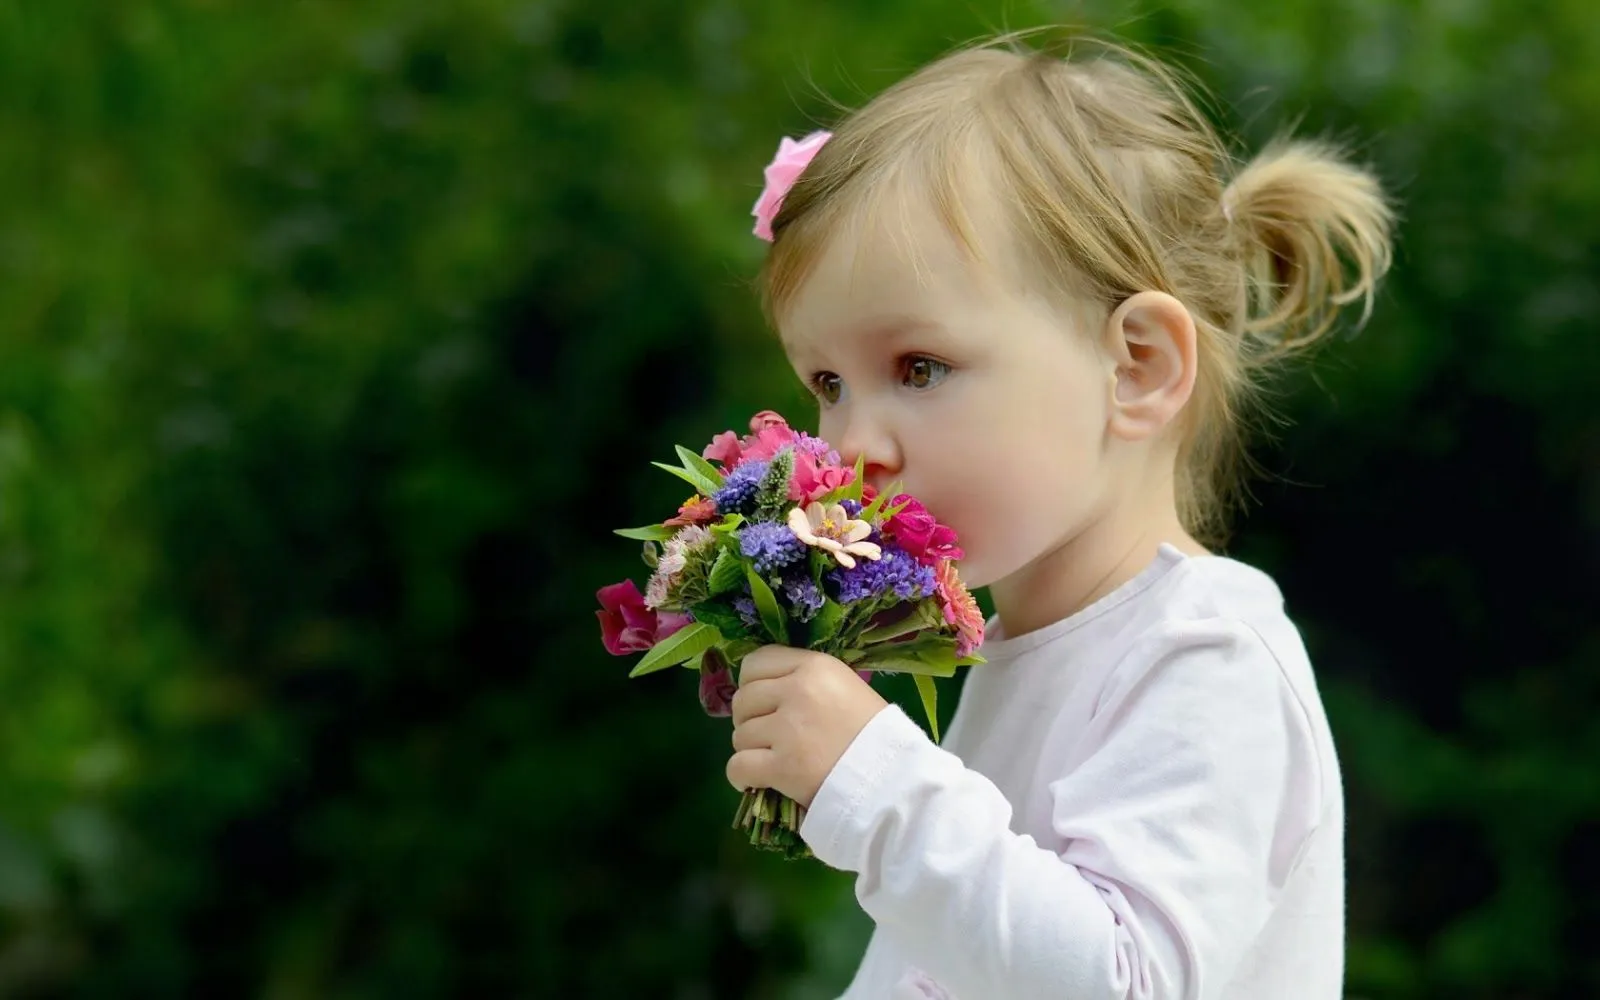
{"x": 336, "y": 337}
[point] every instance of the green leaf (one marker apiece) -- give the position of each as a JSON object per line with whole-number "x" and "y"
{"x": 728, "y": 525}
{"x": 695, "y": 479}
{"x": 932, "y": 655}
{"x": 695, "y": 463}
{"x": 891, "y": 664}
{"x": 826, "y": 624}
{"x": 833, "y": 496}
{"x": 723, "y": 617}
{"x": 648, "y": 533}
{"x": 854, "y": 490}
{"x": 767, "y": 607}
{"x": 930, "y": 702}
{"x": 726, "y": 573}
{"x": 871, "y": 510}
{"x": 685, "y": 644}
{"x": 923, "y": 616}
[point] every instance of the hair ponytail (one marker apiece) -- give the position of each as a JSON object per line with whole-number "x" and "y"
{"x": 1317, "y": 237}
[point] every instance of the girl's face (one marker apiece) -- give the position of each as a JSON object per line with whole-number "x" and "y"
{"x": 985, "y": 400}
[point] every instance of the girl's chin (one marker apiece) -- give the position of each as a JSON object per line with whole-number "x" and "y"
{"x": 975, "y": 573}
{"x": 985, "y": 569}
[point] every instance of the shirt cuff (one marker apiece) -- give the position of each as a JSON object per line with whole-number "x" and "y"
{"x": 833, "y": 819}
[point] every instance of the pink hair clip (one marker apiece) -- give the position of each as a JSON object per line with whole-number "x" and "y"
{"x": 781, "y": 173}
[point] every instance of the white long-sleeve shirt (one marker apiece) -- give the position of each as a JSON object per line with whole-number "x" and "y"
{"x": 1141, "y": 800}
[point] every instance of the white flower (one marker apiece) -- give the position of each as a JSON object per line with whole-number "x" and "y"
{"x": 674, "y": 557}
{"x": 831, "y": 530}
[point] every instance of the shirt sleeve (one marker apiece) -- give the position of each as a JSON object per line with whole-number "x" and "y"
{"x": 1180, "y": 809}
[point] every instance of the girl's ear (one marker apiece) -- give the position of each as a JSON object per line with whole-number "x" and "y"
{"x": 1150, "y": 339}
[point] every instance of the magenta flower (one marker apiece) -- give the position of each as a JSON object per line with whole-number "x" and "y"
{"x": 717, "y": 687}
{"x": 626, "y": 625}
{"x": 919, "y": 533}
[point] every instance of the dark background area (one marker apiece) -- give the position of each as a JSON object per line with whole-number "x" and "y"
{"x": 336, "y": 337}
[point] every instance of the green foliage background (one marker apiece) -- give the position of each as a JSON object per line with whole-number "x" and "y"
{"x": 335, "y": 336}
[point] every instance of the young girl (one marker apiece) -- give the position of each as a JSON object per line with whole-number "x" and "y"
{"x": 1035, "y": 290}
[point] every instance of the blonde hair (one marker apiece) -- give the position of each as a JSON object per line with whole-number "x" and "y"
{"x": 1115, "y": 183}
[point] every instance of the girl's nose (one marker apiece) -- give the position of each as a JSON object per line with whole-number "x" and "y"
{"x": 878, "y": 449}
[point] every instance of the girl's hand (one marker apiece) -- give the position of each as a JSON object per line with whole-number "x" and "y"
{"x": 794, "y": 716}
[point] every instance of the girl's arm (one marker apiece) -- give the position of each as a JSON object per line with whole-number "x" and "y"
{"x": 1183, "y": 806}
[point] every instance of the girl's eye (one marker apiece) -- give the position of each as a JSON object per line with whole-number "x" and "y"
{"x": 827, "y": 386}
{"x": 924, "y": 373}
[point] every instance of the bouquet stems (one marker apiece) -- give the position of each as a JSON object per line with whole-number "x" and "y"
{"x": 773, "y": 820}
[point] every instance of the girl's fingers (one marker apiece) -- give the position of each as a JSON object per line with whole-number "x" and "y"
{"x": 751, "y": 769}
{"x": 755, "y": 734}
{"x": 755, "y": 699}
{"x": 768, "y": 662}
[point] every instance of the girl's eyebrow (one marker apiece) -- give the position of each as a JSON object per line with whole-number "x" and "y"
{"x": 897, "y": 328}
{"x": 879, "y": 330}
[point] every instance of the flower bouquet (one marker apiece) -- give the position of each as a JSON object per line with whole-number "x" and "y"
{"x": 781, "y": 543}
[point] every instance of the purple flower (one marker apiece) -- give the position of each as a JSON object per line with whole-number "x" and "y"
{"x": 853, "y": 508}
{"x": 738, "y": 493}
{"x": 746, "y": 606}
{"x": 895, "y": 575}
{"x": 816, "y": 448}
{"x": 771, "y": 546}
{"x": 805, "y": 597}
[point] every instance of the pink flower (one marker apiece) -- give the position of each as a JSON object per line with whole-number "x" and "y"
{"x": 919, "y": 533}
{"x": 769, "y": 434}
{"x": 724, "y": 448}
{"x": 812, "y": 481}
{"x": 765, "y": 419}
{"x": 785, "y": 168}
{"x": 626, "y": 625}
{"x": 767, "y": 442}
{"x": 960, "y": 609}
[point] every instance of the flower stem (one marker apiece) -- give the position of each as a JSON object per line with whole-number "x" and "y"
{"x": 773, "y": 821}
